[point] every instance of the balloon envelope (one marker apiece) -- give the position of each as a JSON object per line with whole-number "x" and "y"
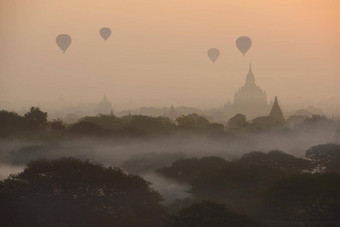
{"x": 105, "y": 33}
{"x": 213, "y": 54}
{"x": 243, "y": 43}
{"x": 63, "y": 41}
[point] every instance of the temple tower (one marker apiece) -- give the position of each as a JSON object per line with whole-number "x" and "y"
{"x": 276, "y": 112}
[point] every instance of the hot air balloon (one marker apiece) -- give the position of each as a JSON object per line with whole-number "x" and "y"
{"x": 105, "y": 33}
{"x": 63, "y": 41}
{"x": 213, "y": 54}
{"x": 243, "y": 43}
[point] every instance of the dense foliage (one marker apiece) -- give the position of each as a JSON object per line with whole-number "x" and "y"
{"x": 69, "y": 192}
{"x": 34, "y": 123}
{"x": 313, "y": 199}
{"x": 207, "y": 213}
{"x": 274, "y": 187}
{"x": 326, "y": 157}
{"x": 240, "y": 183}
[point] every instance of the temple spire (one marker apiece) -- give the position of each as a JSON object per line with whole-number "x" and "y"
{"x": 276, "y": 112}
{"x": 250, "y": 76}
{"x": 104, "y": 107}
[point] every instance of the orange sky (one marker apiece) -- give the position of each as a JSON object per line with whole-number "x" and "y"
{"x": 156, "y": 54}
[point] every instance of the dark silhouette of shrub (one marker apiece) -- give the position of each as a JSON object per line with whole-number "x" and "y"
{"x": 70, "y": 192}
{"x": 36, "y": 119}
{"x": 326, "y": 157}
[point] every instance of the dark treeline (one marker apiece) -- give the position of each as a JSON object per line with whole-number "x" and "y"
{"x": 66, "y": 187}
{"x": 35, "y": 123}
{"x": 259, "y": 189}
{"x": 271, "y": 186}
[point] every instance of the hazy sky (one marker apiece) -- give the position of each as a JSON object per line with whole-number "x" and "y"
{"x": 157, "y": 53}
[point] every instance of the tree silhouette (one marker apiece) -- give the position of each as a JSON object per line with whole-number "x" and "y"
{"x": 57, "y": 125}
{"x": 238, "y": 185}
{"x": 237, "y": 122}
{"x": 192, "y": 121}
{"x": 310, "y": 198}
{"x": 276, "y": 160}
{"x": 265, "y": 123}
{"x": 35, "y": 118}
{"x": 195, "y": 122}
{"x": 326, "y": 157}
{"x": 11, "y": 123}
{"x": 70, "y": 192}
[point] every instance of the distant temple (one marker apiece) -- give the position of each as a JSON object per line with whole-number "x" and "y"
{"x": 250, "y": 99}
{"x": 105, "y": 107}
{"x": 172, "y": 114}
{"x": 276, "y": 112}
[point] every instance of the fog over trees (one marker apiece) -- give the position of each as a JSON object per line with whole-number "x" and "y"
{"x": 195, "y": 113}
{"x": 138, "y": 170}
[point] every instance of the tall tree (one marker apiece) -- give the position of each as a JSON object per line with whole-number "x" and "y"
{"x": 35, "y": 118}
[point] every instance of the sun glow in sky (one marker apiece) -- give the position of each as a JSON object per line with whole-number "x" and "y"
{"x": 156, "y": 54}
